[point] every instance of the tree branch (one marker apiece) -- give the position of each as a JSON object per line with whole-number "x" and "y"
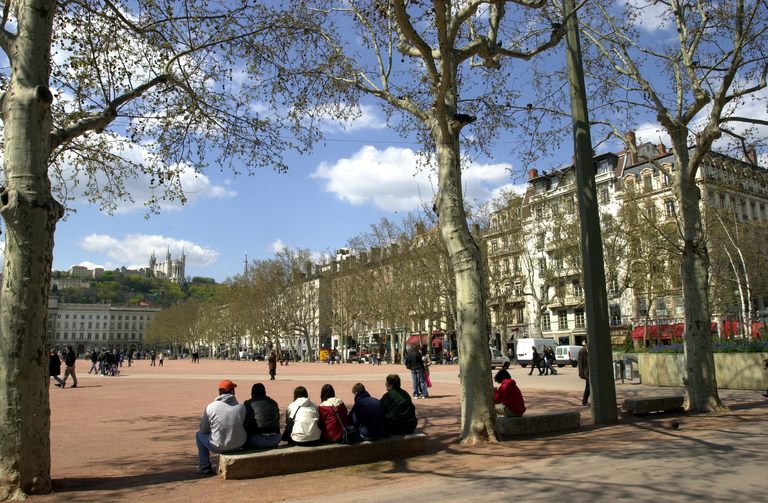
{"x": 97, "y": 121}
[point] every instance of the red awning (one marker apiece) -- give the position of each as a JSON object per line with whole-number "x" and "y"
{"x": 663, "y": 331}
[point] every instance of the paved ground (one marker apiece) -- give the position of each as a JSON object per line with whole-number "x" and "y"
{"x": 131, "y": 438}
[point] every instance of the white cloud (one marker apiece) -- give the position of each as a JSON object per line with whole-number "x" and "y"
{"x": 391, "y": 180}
{"x": 135, "y": 249}
{"x": 278, "y": 246}
{"x": 196, "y": 186}
{"x": 653, "y": 133}
{"x": 652, "y": 16}
{"x": 367, "y": 117}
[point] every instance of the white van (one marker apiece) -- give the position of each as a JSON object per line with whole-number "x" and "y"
{"x": 525, "y": 349}
{"x": 566, "y": 355}
{"x": 497, "y": 358}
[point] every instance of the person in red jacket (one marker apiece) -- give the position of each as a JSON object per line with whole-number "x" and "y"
{"x": 510, "y": 396}
{"x": 333, "y": 415}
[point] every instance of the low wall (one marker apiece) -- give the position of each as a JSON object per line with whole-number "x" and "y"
{"x": 734, "y": 370}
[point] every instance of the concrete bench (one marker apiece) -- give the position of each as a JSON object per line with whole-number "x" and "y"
{"x": 532, "y": 424}
{"x": 645, "y": 405}
{"x": 294, "y": 459}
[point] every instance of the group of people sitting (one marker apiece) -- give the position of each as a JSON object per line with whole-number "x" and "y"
{"x": 229, "y": 426}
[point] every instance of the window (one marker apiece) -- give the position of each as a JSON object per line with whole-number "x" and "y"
{"x": 647, "y": 182}
{"x": 669, "y": 206}
{"x": 630, "y": 185}
{"x": 542, "y": 264}
{"x": 666, "y": 180}
{"x": 642, "y": 307}
{"x": 540, "y": 241}
{"x": 579, "y": 315}
{"x": 505, "y": 265}
{"x": 577, "y": 290}
{"x": 603, "y": 166}
{"x": 520, "y": 314}
{"x": 615, "y": 315}
{"x": 543, "y": 291}
{"x": 545, "y": 323}
{"x": 518, "y": 290}
{"x": 613, "y": 286}
{"x": 562, "y": 319}
{"x": 504, "y": 246}
{"x": 603, "y": 196}
{"x": 754, "y": 210}
{"x": 661, "y": 307}
{"x": 650, "y": 212}
{"x": 517, "y": 264}
{"x": 555, "y": 210}
{"x": 494, "y": 246}
{"x": 539, "y": 213}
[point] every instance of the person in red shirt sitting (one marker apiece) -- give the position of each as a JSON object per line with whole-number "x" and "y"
{"x": 509, "y": 397}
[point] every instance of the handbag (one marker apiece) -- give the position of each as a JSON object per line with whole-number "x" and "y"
{"x": 428, "y": 380}
{"x": 349, "y": 434}
{"x": 289, "y": 426}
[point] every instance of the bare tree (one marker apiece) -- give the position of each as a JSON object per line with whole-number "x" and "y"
{"x": 693, "y": 85}
{"x": 147, "y": 80}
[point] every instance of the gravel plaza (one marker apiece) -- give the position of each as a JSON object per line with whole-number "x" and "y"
{"x": 131, "y": 438}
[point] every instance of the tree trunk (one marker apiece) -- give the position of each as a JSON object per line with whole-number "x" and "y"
{"x": 478, "y": 416}
{"x": 30, "y": 214}
{"x": 701, "y": 381}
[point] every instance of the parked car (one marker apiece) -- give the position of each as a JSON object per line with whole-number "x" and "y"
{"x": 497, "y": 358}
{"x": 566, "y": 355}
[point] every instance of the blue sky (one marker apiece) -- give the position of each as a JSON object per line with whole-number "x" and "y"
{"x": 355, "y": 178}
{"x": 361, "y": 173}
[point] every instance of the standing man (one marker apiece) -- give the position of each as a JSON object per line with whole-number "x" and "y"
{"x": 582, "y": 362}
{"x": 221, "y": 427}
{"x": 272, "y": 364}
{"x": 70, "y": 358}
{"x": 415, "y": 364}
{"x": 153, "y": 358}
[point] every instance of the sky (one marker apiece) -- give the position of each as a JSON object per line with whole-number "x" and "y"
{"x": 361, "y": 173}
{"x": 347, "y": 184}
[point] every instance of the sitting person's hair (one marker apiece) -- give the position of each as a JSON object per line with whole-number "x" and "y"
{"x": 357, "y": 388}
{"x": 327, "y": 392}
{"x": 393, "y": 380}
{"x": 498, "y": 377}
{"x": 300, "y": 392}
{"x": 258, "y": 391}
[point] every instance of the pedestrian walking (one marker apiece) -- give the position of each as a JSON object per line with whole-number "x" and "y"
{"x": 94, "y": 361}
{"x": 54, "y": 368}
{"x": 415, "y": 364}
{"x": 70, "y": 359}
{"x": 161, "y": 357}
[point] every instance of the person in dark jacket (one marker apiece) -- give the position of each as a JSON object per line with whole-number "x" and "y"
{"x": 415, "y": 364}
{"x": 272, "y": 365}
{"x": 367, "y": 414}
{"x": 582, "y": 362}
{"x": 262, "y": 419}
{"x": 70, "y": 358}
{"x": 54, "y": 368}
{"x": 399, "y": 412}
{"x": 536, "y": 362}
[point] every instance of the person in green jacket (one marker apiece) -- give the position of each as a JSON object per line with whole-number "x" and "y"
{"x": 399, "y": 411}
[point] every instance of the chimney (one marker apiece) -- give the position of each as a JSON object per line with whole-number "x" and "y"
{"x": 661, "y": 149}
{"x": 532, "y": 173}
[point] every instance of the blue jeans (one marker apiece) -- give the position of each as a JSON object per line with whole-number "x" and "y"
{"x": 263, "y": 441}
{"x": 203, "y": 447}
{"x": 419, "y": 384}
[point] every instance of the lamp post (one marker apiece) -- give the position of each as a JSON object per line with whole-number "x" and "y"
{"x": 601, "y": 381}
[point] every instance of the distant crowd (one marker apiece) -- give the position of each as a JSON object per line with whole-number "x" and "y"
{"x": 229, "y": 426}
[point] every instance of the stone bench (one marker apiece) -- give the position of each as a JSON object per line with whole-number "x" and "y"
{"x": 645, "y": 405}
{"x": 294, "y": 459}
{"x": 532, "y": 424}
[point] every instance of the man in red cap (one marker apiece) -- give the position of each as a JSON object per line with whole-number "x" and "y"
{"x": 221, "y": 427}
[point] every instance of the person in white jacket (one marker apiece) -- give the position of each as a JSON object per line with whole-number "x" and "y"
{"x": 302, "y": 412}
{"x": 221, "y": 427}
